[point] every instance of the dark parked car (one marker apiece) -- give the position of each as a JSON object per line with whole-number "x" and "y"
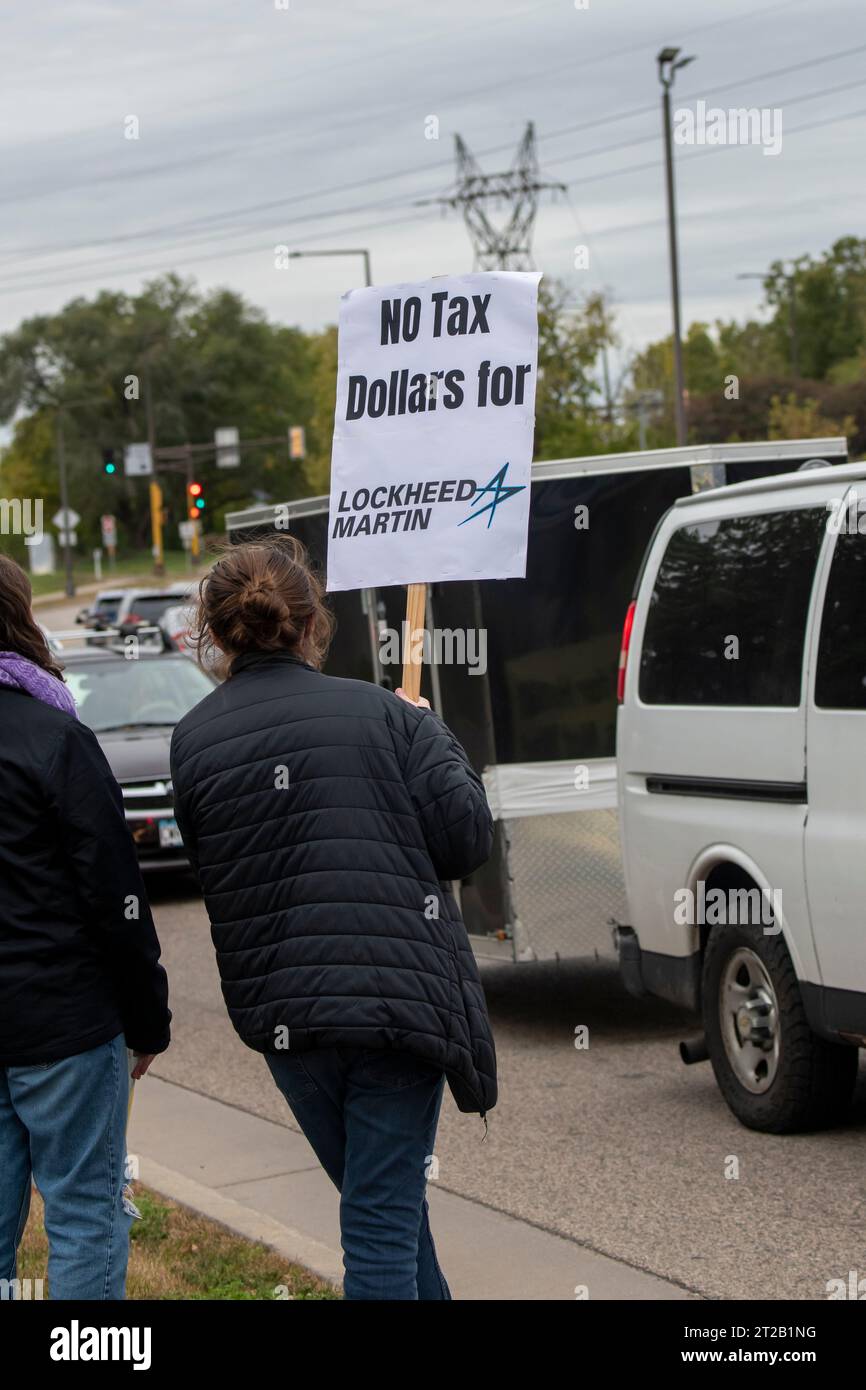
{"x": 132, "y": 706}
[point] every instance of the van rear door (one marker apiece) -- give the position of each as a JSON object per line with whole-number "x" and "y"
{"x": 835, "y": 836}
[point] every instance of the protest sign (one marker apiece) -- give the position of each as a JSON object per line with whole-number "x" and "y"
{"x": 433, "y": 434}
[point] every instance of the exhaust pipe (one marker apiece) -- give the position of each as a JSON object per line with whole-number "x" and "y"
{"x": 694, "y": 1050}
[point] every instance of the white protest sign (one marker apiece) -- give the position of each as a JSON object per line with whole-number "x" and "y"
{"x": 430, "y": 475}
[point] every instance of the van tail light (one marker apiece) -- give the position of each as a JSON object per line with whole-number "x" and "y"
{"x": 623, "y": 651}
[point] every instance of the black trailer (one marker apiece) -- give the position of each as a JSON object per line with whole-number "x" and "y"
{"x": 539, "y": 721}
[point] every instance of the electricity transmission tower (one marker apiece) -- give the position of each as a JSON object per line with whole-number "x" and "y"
{"x": 507, "y": 247}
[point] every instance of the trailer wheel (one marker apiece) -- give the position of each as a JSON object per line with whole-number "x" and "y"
{"x": 774, "y": 1072}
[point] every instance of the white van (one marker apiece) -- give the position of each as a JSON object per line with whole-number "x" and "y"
{"x": 741, "y": 764}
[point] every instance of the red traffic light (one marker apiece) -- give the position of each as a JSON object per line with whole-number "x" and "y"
{"x": 194, "y": 489}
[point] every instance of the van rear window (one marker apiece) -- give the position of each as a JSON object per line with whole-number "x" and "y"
{"x": 840, "y": 682}
{"x": 727, "y": 617}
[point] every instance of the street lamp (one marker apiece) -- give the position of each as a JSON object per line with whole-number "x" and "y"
{"x": 354, "y": 251}
{"x": 790, "y": 280}
{"x": 669, "y": 62}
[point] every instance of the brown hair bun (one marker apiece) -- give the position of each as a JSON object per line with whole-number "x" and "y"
{"x": 264, "y": 596}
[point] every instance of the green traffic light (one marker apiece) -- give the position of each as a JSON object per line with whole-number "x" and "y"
{"x": 110, "y": 468}
{"x": 199, "y": 502}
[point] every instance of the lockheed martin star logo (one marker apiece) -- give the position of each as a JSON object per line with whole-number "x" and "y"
{"x": 499, "y": 493}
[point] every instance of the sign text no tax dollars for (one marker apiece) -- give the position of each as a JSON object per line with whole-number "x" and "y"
{"x": 433, "y": 431}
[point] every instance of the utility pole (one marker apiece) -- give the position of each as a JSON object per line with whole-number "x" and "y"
{"x": 60, "y": 454}
{"x": 155, "y": 490}
{"x": 64, "y": 502}
{"x": 499, "y": 248}
{"x": 669, "y": 62}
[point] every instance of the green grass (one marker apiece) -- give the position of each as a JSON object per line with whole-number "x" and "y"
{"x": 135, "y": 566}
{"x": 176, "y": 1254}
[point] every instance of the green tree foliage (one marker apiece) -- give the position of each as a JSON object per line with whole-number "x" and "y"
{"x": 817, "y": 321}
{"x": 829, "y": 307}
{"x": 203, "y": 360}
{"x": 571, "y": 340}
{"x": 790, "y": 418}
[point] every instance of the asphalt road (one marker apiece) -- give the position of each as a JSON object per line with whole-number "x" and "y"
{"x": 618, "y": 1146}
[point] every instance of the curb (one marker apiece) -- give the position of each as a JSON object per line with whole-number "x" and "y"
{"x": 293, "y": 1245}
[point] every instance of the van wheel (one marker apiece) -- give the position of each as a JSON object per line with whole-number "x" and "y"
{"x": 774, "y": 1072}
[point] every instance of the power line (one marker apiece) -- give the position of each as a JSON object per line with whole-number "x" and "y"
{"x": 15, "y": 285}
{"x": 652, "y": 137}
{"x": 12, "y": 287}
{"x": 30, "y": 253}
{"x": 511, "y": 82}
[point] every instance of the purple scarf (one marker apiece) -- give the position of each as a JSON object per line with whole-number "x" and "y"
{"x": 25, "y": 675}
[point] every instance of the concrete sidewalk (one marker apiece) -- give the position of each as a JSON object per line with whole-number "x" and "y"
{"x": 263, "y": 1181}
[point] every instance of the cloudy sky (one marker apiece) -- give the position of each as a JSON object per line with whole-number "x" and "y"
{"x": 307, "y": 126}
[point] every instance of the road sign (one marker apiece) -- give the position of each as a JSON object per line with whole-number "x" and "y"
{"x": 108, "y": 526}
{"x": 41, "y": 555}
{"x": 297, "y": 442}
{"x": 66, "y": 519}
{"x": 188, "y": 532}
{"x": 68, "y": 537}
{"x": 228, "y": 454}
{"x": 137, "y": 461}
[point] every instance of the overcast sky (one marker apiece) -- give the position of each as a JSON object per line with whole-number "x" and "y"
{"x": 261, "y": 126}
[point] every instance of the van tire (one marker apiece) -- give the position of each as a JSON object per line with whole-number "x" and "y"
{"x": 813, "y": 1080}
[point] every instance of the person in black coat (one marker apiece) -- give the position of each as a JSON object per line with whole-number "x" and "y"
{"x": 80, "y": 979}
{"x": 326, "y": 819}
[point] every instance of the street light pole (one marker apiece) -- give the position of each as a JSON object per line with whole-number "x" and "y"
{"x": 353, "y": 251}
{"x": 668, "y": 62}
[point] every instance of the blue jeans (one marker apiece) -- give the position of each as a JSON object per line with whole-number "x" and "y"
{"x": 63, "y": 1126}
{"x": 371, "y": 1116}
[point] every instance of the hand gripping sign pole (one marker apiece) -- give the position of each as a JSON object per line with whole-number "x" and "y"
{"x": 433, "y": 430}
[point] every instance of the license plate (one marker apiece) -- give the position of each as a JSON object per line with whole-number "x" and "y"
{"x": 169, "y": 835}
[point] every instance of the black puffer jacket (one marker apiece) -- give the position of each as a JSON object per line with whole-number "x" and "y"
{"x": 79, "y": 958}
{"x": 322, "y": 816}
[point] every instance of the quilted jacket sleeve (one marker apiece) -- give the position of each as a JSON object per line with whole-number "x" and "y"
{"x": 107, "y": 882}
{"x": 181, "y": 815}
{"x": 449, "y": 799}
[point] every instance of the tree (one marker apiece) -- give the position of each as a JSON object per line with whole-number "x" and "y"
{"x": 822, "y": 303}
{"x": 322, "y": 390}
{"x": 568, "y": 418}
{"x": 802, "y": 419}
{"x": 818, "y": 319}
{"x": 199, "y": 361}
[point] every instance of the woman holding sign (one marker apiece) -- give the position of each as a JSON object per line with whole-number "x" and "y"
{"x": 324, "y": 818}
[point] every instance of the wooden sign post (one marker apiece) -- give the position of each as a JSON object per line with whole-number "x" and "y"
{"x": 416, "y": 604}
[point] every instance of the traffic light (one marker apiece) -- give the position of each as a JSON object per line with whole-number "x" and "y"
{"x": 195, "y": 501}
{"x": 109, "y": 464}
